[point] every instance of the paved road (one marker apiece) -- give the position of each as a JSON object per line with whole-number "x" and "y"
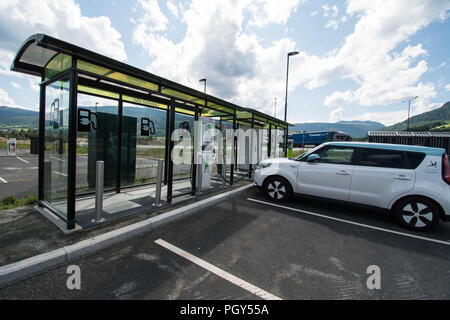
{"x": 18, "y": 175}
{"x": 288, "y": 254}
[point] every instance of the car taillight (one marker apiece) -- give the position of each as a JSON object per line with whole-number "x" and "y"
{"x": 445, "y": 169}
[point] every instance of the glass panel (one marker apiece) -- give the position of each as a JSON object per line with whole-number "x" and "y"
{"x": 338, "y": 155}
{"x": 220, "y": 168}
{"x": 212, "y": 113}
{"x": 381, "y": 158}
{"x": 263, "y": 143}
{"x": 280, "y": 140}
{"x": 276, "y": 147}
{"x": 97, "y": 135}
{"x": 99, "y": 92}
{"x": 185, "y": 111}
{"x": 86, "y": 66}
{"x": 56, "y": 144}
{"x": 221, "y": 108}
{"x": 58, "y": 64}
{"x": 143, "y": 142}
{"x": 182, "y": 172}
{"x": 181, "y": 95}
{"x": 144, "y": 102}
{"x": 243, "y": 150}
{"x": 260, "y": 118}
{"x": 243, "y": 115}
{"x": 37, "y": 56}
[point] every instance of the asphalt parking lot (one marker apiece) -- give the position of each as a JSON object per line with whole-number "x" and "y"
{"x": 247, "y": 248}
{"x": 18, "y": 175}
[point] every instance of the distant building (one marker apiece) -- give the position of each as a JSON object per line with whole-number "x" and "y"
{"x": 427, "y": 139}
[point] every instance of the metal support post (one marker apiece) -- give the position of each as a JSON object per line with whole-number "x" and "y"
{"x": 100, "y": 175}
{"x": 159, "y": 178}
{"x": 200, "y": 172}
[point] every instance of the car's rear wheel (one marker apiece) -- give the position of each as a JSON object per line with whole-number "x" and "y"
{"x": 417, "y": 213}
{"x": 277, "y": 189}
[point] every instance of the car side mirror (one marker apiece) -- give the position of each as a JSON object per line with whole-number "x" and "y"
{"x": 313, "y": 157}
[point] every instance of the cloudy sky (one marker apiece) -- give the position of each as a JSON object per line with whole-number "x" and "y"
{"x": 358, "y": 59}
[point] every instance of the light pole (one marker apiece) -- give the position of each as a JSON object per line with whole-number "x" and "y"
{"x": 204, "y": 81}
{"x": 292, "y": 53}
{"x": 409, "y": 110}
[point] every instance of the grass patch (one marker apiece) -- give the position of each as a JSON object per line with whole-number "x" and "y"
{"x": 10, "y": 202}
{"x": 18, "y": 145}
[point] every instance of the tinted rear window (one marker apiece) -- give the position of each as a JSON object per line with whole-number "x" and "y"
{"x": 382, "y": 158}
{"x": 390, "y": 159}
{"x": 415, "y": 159}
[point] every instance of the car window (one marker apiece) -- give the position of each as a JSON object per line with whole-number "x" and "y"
{"x": 303, "y": 156}
{"x": 383, "y": 158}
{"x": 415, "y": 158}
{"x": 336, "y": 155}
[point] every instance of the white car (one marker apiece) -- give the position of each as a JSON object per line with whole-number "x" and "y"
{"x": 412, "y": 182}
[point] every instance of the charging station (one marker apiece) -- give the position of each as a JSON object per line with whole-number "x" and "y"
{"x": 206, "y": 149}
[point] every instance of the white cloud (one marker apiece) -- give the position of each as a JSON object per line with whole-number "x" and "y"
{"x": 6, "y": 100}
{"x": 6, "y": 58}
{"x": 371, "y": 56}
{"x": 34, "y": 83}
{"x": 269, "y": 11}
{"x": 386, "y": 118}
{"x": 314, "y": 13}
{"x": 336, "y": 115}
{"x": 447, "y": 87}
{"x": 339, "y": 98}
{"x": 59, "y": 18}
{"x": 326, "y": 8}
{"x": 335, "y": 11}
{"x": 329, "y": 11}
{"x": 218, "y": 47}
{"x": 333, "y": 23}
{"x": 173, "y": 8}
{"x": 412, "y": 52}
{"x": 152, "y": 17}
{"x": 15, "y": 85}
{"x": 441, "y": 65}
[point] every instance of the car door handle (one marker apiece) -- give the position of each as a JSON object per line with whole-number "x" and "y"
{"x": 343, "y": 172}
{"x": 402, "y": 177}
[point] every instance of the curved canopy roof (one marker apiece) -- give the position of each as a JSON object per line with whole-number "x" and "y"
{"x": 39, "y": 51}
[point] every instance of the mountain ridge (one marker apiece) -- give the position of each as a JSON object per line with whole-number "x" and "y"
{"x": 425, "y": 121}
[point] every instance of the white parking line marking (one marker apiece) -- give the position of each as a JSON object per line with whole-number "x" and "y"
{"x": 3, "y": 180}
{"x": 57, "y": 159}
{"x": 22, "y": 159}
{"x": 219, "y": 272}
{"x": 83, "y": 157}
{"x": 61, "y": 174}
{"x": 351, "y": 222}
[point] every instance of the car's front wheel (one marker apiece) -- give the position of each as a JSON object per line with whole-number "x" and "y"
{"x": 277, "y": 189}
{"x": 417, "y": 213}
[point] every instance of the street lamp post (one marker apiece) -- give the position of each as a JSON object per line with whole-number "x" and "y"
{"x": 409, "y": 110}
{"x": 204, "y": 82}
{"x": 292, "y": 53}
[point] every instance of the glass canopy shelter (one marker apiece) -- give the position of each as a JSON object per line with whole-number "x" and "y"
{"x": 95, "y": 108}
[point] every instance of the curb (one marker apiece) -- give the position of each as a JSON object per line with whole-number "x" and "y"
{"x": 32, "y": 266}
